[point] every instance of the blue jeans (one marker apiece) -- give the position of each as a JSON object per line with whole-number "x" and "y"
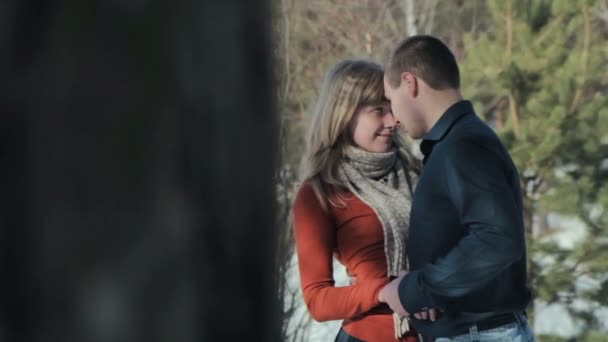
{"x": 344, "y": 337}
{"x": 518, "y": 331}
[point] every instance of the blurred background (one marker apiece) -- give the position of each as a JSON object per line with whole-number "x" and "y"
{"x": 137, "y": 162}
{"x": 537, "y": 72}
{"x": 150, "y": 149}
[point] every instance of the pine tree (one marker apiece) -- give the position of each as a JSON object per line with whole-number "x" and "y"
{"x": 539, "y": 78}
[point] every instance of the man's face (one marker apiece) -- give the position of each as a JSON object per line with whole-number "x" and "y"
{"x": 404, "y": 109}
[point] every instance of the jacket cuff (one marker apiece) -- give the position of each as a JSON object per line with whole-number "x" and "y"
{"x": 412, "y": 294}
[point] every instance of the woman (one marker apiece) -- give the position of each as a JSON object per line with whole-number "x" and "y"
{"x": 354, "y": 204}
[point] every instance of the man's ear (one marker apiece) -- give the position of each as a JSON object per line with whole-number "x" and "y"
{"x": 411, "y": 83}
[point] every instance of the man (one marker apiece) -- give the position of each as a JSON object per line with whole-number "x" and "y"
{"x": 466, "y": 251}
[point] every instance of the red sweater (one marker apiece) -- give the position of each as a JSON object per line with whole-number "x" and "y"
{"x": 355, "y": 236}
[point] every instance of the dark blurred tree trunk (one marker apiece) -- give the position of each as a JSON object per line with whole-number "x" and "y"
{"x": 138, "y": 154}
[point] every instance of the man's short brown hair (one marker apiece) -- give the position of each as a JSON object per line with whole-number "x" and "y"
{"x": 426, "y": 57}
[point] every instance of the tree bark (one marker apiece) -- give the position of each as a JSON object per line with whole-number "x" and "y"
{"x": 138, "y": 155}
{"x": 410, "y": 18}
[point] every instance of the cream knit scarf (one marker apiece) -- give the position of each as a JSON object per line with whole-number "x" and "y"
{"x": 380, "y": 181}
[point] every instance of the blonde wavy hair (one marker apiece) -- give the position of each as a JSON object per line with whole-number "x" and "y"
{"x": 349, "y": 85}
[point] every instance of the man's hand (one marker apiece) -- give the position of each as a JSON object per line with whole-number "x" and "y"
{"x": 430, "y": 314}
{"x": 390, "y": 295}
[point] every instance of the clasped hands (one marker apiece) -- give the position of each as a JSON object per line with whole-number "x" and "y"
{"x": 390, "y": 295}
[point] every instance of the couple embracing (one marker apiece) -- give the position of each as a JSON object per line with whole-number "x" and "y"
{"x": 435, "y": 247}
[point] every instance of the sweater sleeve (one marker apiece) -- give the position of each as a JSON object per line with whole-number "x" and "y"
{"x": 315, "y": 241}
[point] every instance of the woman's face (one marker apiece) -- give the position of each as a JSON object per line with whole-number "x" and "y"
{"x": 373, "y": 126}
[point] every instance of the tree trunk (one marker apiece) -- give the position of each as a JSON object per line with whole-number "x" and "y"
{"x": 138, "y": 154}
{"x": 410, "y": 18}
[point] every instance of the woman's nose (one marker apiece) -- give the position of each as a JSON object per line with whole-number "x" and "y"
{"x": 390, "y": 121}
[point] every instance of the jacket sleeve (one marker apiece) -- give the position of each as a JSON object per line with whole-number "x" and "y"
{"x": 315, "y": 242}
{"x": 483, "y": 189}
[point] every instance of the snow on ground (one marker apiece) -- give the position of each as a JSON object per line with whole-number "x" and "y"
{"x": 550, "y": 319}
{"x": 312, "y": 331}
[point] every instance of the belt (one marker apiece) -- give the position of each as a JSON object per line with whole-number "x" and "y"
{"x": 492, "y": 322}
